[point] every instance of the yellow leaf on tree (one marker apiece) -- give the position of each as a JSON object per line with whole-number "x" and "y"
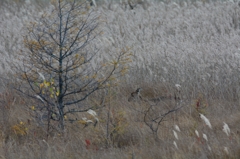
{"x": 41, "y": 85}
{"x": 32, "y": 107}
{"x": 46, "y": 84}
{"x": 52, "y": 81}
{"x": 57, "y": 93}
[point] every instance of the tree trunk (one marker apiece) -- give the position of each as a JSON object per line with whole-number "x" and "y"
{"x": 61, "y": 116}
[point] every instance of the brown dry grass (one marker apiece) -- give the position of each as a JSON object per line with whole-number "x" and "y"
{"x": 131, "y": 138}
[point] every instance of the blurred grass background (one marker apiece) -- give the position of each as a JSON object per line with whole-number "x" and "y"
{"x": 194, "y": 44}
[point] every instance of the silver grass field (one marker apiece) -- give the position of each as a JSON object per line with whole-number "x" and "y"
{"x": 191, "y": 47}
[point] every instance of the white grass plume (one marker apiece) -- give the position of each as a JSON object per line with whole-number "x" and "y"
{"x": 209, "y": 148}
{"x": 86, "y": 120}
{"x": 205, "y": 137}
{"x": 41, "y": 75}
{"x": 39, "y": 98}
{"x": 226, "y": 129}
{"x": 196, "y": 132}
{"x": 178, "y": 86}
{"x": 175, "y": 144}
{"x": 205, "y": 119}
{"x": 92, "y": 112}
{"x": 226, "y": 150}
{"x": 89, "y": 121}
{"x": 175, "y": 134}
{"x": 177, "y": 128}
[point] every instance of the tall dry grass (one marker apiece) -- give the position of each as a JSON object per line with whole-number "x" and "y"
{"x": 193, "y": 44}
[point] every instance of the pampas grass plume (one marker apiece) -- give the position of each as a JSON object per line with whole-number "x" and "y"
{"x": 226, "y": 150}
{"x": 177, "y": 128}
{"x": 175, "y": 144}
{"x": 205, "y": 119}
{"x": 92, "y": 112}
{"x": 226, "y": 129}
{"x": 175, "y": 134}
{"x": 209, "y": 148}
{"x": 196, "y": 132}
{"x": 205, "y": 137}
{"x": 39, "y": 98}
{"x": 41, "y": 75}
{"x": 178, "y": 86}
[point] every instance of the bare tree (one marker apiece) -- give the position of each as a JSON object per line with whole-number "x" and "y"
{"x": 60, "y": 68}
{"x": 153, "y": 118}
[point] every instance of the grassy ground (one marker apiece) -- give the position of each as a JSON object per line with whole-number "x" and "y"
{"x": 129, "y": 136}
{"x": 194, "y": 44}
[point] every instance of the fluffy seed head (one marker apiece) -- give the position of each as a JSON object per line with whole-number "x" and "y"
{"x": 226, "y": 150}
{"x": 226, "y": 129}
{"x": 92, "y": 112}
{"x": 209, "y": 148}
{"x": 177, "y": 128}
{"x": 205, "y": 137}
{"x": 196, "y": 132}
{"x": 41, "y": 75}
{"x": 39, "y": 98}
{"x": 205, "y": 119}
{"x": 175, "y": 144}
{"x": 178, "y": 86}
{"x": 175, "y": 134}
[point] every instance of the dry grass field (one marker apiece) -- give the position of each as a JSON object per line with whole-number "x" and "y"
{"x": 186, "y": 60}
{"x": 23, "y": 137}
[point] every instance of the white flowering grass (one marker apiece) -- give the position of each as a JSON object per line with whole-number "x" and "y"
{"x": 178, "y": 86}
{"x": 226, "y": 150}
{"x": 205, "y": 119}
{"x": 196, "y": 46}
{"x": 205, "y": 137}
{"x": 197, "y": 133}
{"x": 186, "y": 53}
{"x": 175, "y": 144}
{"x": 176, "y": 127}
{"x": 39, "y": 98}
{"x": 42, "y": 76}
{"x": 226, "y": 129}
{"x": 175, "y": 134}
{"x": 86, "y": 120}
{"x": 92, "y": 112}
{"x": 209, "y": 148}
{"x": 94, "y": 115}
